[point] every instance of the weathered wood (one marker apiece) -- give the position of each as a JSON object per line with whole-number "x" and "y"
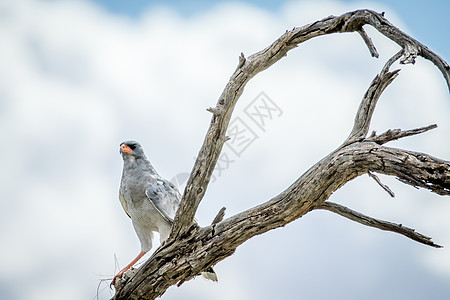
{"x": 198, "y": 248}
{"x": 383, "y": 186}
{"x": 191, "y": 249}
{"x": 376, "y": 223}
{"x": 367, "y": 106}
{"x": 396, "y": 134}
{"x": 247, "y": 68}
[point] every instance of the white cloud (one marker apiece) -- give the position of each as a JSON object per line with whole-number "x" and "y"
{"x": 76, "y": 81}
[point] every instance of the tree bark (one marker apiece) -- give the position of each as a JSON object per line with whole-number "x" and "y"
{"x": 191, "y": 249}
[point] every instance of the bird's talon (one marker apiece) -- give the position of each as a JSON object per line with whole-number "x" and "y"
{"x": 113, "y": 282}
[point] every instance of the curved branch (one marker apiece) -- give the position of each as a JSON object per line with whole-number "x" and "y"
{"x": 191, "y": 249}
{"x": 389, "y": 63}
{"x": 437, "y": 61}
{"x": 367, "y": 106}
{"x": 369, "y": 43}
{"x": 411, "y": 47}
{"x": 199, "y": 248}
{"x": 247, "y": 68}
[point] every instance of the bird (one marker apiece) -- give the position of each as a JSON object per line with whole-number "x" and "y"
{"x": 149, "y": 200}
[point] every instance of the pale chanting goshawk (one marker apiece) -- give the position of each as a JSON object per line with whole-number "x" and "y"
{"x": 148, "y": 199}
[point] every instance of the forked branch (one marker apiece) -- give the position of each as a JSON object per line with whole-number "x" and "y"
{"x": 247, "y": 68}
{"x": 367, "y": 106}
{"x": 191, "y": 249}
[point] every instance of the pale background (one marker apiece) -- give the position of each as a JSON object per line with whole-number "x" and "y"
{"x": 79, "y": 77}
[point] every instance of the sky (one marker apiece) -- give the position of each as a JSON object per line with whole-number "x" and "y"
{"x": 79, "y": 77}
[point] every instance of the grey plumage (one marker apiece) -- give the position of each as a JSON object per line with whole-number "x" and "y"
{"x": 148, "y": 199}
{"x": 165, "y": 197}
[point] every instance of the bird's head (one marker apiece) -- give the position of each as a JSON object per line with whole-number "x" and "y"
{"x": 132, "y": 149}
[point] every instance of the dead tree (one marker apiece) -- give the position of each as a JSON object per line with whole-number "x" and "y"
{"x": 191, "y": 249}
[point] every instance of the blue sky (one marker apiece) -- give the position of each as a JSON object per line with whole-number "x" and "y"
{"x": 79, "y": 77}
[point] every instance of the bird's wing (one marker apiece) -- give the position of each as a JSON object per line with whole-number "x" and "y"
{"x": 165, "y": 196}
{"x": 124, "y": 204}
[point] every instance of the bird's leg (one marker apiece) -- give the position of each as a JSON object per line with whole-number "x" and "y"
{"x": 127, "y": 267}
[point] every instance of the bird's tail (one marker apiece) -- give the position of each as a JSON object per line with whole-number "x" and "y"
{"x": 210, "y": 274}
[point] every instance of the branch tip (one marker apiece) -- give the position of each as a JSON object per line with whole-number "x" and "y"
{"x": 383, "y": 186}
{"x": 376, "y": 223}
{"x": 214, "y": 111}
{"x": 366, "y": 108}
{"x": 219, "y": 216}
{"x": 241, "y": 61}
{"x": 368, "y": 42}
{"x": 395, "y": 134}
{"x": 391, "y": 60}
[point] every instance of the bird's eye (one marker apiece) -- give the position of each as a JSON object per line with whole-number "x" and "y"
{"x": 132, "y": 146}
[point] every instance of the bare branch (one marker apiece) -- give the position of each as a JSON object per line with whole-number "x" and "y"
{"x": 396, "y": 134}
{"x": 367, "y": 106}
{"x": 437, "y": 61}
{"x": 199, "y": 248}
{"x": 383, "y": 186}
{"x": 413, "y": 168}
{"x": 219, "y": 216}
{"x": 410, "y": 53}
{"x": 241, "y": 61}
{"x": 376, "y": 223}
{"x": 369, "y": 43}
{"x": 191, "y": 249}
{"x": 213, "y": 110}
{"x": 411, "y": 47}
{"x": 215, "y": 137}
{"x": 368, "y": 103}
{"x": 391, "y": 60}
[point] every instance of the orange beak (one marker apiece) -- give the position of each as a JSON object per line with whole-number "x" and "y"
{"x": 126, "y": 149}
